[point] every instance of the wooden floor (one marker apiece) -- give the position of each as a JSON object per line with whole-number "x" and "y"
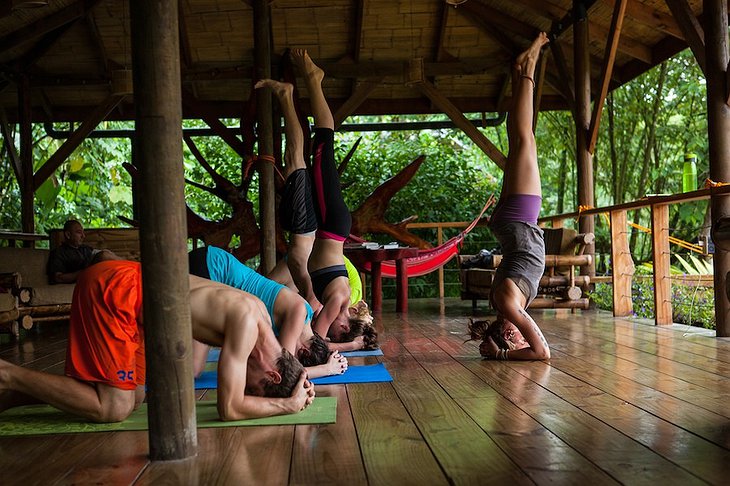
{"x": 621, "y": 402}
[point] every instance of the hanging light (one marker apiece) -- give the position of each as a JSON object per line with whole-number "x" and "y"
{"x": 455, "y": 3}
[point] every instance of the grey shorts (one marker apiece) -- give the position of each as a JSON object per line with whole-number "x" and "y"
{"x": 523, "y": 256}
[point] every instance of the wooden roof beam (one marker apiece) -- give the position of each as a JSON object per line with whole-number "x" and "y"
{"x": 609, "y": 57}
{"x": 186, "y": 57}
{"x": 10, "y": 146}
{"x": 693, "y": 32}
{"x": 42, "y": 46}
{"x": 45, "y": 25}
{"x": 430, "y": 91}
{"x": 361, "y": 93}
{"x": 98, "y": 43}
{"x": 58, "y": 158}
{"x": 651, "y": 17}
{"x": 565, "y": 84}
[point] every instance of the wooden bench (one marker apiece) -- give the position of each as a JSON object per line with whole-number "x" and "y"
{"x": 560, "y": 285}
{"x": 26, "y": 297}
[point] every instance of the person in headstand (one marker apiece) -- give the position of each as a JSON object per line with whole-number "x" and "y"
{"x": 325, "y": 263}
{"x": 290, "y": 314}
{"x": 105, "y": 363}
{"x": 514, "y": 334}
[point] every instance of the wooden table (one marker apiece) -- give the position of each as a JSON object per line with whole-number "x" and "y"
{"x": 361, "y": 256}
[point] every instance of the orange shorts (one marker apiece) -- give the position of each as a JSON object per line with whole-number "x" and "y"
{"x": 105, "y": 342}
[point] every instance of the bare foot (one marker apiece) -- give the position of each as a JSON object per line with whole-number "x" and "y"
{"x": 306, "y": 66}
{"x": 283, "y": 91}
{"x": 525, "y": 62}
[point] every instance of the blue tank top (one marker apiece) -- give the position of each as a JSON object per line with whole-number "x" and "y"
{"x": 226, "y": 269}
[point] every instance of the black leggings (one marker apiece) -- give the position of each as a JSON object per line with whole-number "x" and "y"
{"x": 333, "y": 216}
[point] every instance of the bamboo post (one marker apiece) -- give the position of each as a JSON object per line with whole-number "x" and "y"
{"x": 262, "y": 62}
{"x": 622, "y": 265}
{"x": 440, "y": 240}
{"x": 582, "y": 115}
{"x": 718, "y": 133}
{"x": 660, "y": 256}
{"x": 163, "y": 235}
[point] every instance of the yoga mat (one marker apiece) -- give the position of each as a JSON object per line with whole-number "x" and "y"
{"x": 214, "y": 354}
{"x": 357, "y": 374}
{"x": 354, "y": 374}
{"x": 44, "y": 419}
{"x": 357, "y": 354}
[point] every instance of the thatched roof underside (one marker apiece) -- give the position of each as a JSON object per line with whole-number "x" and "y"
{"x": 70, "y": 50}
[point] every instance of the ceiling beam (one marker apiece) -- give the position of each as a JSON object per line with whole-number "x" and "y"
{"x": 361, "y": 93}
{"x": 10, "y": 146}
{"x": 609, "y": 58}
{"x": 433, "y": 94}
{"x": 693, "y": 32}
{"x": 45, "y": 25}
{"x": 59, "y": 156}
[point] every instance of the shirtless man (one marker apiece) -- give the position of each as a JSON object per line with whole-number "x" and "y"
{"x": 325, "y": 264}
{"x": 106, "y": 385}
{"x": 289, "y": 313}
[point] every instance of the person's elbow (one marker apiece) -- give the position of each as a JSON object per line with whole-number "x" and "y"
{"x": 543, "y": 354}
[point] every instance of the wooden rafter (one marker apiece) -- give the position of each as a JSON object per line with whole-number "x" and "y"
{"x": 10, "y": 145}
{"x": 694, "y": 35}
{"x": 43, "y": 45}
{"x": 606, "y": 71}
{"x": 651, "y": 17}
{"x": 186, "y": 58}
{"x": 98, "y": 43}
{"x": 566, "y": 79}
{"x": 430, "y": 91}
{"x": 361, "y": 93}
{"x": 200, "y": 111}
{"x": 44, "y": 25}
{"x": 78, "y": 136}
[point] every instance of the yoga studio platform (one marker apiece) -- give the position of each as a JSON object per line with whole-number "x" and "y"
{"x": 621, "y": 401}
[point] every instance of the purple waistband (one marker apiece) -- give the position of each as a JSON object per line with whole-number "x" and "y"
{"x": 517, "y": 207}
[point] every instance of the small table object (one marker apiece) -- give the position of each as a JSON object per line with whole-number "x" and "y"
{"x": 360, "y": 255}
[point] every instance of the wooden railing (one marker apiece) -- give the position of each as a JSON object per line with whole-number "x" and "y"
{"x": 621, "y": 260}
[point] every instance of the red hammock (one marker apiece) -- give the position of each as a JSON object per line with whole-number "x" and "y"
{"x": 431, "y": 259}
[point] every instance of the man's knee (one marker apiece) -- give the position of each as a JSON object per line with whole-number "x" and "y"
{"x": 115, "y": 404}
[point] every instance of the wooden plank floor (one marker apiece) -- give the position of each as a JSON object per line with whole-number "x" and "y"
{"x": 621, "y": 402}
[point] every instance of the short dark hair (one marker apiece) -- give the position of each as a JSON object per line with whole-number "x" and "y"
{"x": 317, "y": 353}
{"x": 290, "y": 370}
{"x": 70, "y": 223}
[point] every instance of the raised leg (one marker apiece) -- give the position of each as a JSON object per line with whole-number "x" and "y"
{"x": 313, "y": 77}
{"x": 521, "y": 174}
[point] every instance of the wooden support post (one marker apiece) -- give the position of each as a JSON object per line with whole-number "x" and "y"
{"x": 267, "y": 195}
{"x": 439, "y": 241}
{"x": 660, "y": 257}
{"x": 582, "y": 116}
{"x": 622, "y": 265}
{"x": 163, "y": 235}
{"x": 718, "y": 134}
{"x": 27, "y": 194}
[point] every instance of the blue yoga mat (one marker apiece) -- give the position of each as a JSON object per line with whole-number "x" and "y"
{"x": 357, "y": 374}
{"x": 357, "y": 354}
{"x": 354, "y": 374}
{"x": 214, "y": 354}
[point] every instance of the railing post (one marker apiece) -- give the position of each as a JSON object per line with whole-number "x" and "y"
{"x": 440, "y": 240}
{"x": 622, "y": 265}
{"x": 660, "y": 255}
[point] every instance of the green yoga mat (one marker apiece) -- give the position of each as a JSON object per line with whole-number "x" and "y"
{"x": 44, "y": 419}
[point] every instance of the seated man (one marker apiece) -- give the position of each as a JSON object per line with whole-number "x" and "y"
{"x": 105, "y": 366}
{"x": 66, "y": 261}
{"x": 290, "y": 314}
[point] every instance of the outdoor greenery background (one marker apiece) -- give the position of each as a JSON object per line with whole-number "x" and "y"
{"x": 647, "y": 127}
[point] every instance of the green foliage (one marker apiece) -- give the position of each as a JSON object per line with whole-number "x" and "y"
{"x": 691, "y": 304}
